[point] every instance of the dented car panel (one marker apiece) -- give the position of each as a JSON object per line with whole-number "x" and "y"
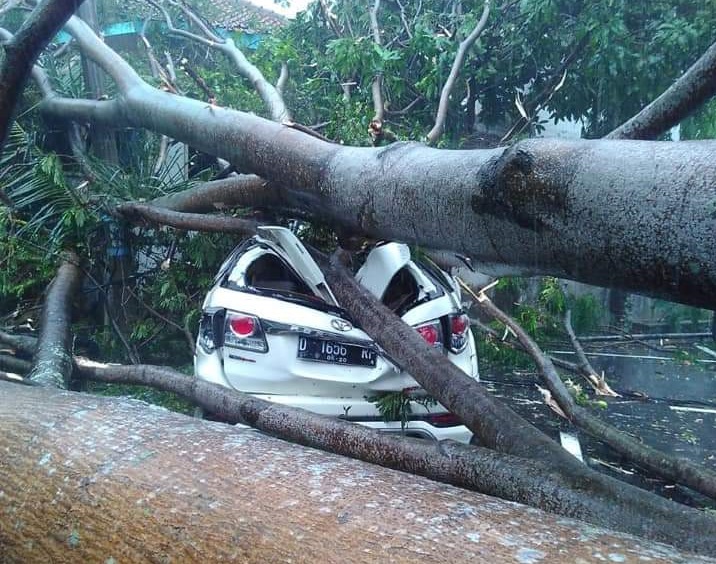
{"x": 272, "y": 327}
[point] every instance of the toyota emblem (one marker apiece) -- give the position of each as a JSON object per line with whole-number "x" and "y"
{"x": 341, "y": 324}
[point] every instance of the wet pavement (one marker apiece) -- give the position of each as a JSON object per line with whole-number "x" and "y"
{"x": 669, "y": 403}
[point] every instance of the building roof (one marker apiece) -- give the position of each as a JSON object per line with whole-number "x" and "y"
{"x": 241, "y": 15}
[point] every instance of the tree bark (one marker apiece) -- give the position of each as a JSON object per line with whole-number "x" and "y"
{"x": 218, "y": 195}
{"x": 115, "y": 480}
{"x": 188, "y": 221}
{"x": 9, "y": 363}
{"x": 52, "y": 364}
{"x": 594, "y": 211}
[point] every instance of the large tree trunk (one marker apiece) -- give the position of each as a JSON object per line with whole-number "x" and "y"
{"x": 116, "y": 481}
{"x": 629, "y": 214}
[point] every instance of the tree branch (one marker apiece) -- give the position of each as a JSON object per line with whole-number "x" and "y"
{"x": 22, "y": 51}
{"x": 688, "y": 93}
{"x": 679, "y": 469}
{"x": 187, "y": 221}
{"x": 52, "y": 364}
{"x": 377, "y": 85}
{"x": 9, "y": 363}
{"x": 598, "y": 383}
{"x": 217, "y": 195}
{"x": 465, "y": 45}
{"x": 269, "y": 94}
{"x": 282, "y": 79}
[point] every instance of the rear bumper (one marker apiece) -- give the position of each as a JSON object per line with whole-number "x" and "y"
{"x": 365, "y": 413}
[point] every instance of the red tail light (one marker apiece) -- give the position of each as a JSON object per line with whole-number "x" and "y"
{"x": 243, "y": 331}
{"x": 459, "y": 332}
{"x": 242, "y": 326}
{"x": 431, "y": 332}
{"x": 459, "y": 324}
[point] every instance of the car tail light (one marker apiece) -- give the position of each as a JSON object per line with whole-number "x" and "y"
{"x": 244, "y": 331}
{"x": 459, "y": 332}
{"x": 443, "y": 420}
{"x": 431, "y": 332}
{"x": 242, "y": 326}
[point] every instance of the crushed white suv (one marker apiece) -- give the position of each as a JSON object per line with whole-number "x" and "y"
{"x": 271, "y": 327}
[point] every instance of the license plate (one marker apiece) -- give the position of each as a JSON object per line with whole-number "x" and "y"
{"x": 320, "y": 350}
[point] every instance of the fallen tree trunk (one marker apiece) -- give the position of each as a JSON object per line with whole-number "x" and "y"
{"x": 537, "y": 483}
{"x": 495, "y": 424}
{"x": 518, "y": 479}
{"x": 52, "y": 364}
{"x": 538, "y": 206}
{"x": 115, "y": 480}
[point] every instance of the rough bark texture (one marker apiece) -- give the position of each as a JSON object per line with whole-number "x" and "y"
{"x": 517, "y": 479}
{"x": 116, "y": 481}
{"x": 679, "y": 469}
{"x": 52, "y": 364}
{"x": 683, "y": 97}
{"x": 594, "y": 211}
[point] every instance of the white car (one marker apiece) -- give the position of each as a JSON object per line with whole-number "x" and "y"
{"x": 271, "y": 327}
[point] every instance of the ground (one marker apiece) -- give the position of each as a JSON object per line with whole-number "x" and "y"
{"x": 676, "y": 414}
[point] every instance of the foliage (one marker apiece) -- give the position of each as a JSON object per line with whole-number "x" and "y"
{"x": 542, "y": 317}
{"x": 675, "y": 316}
{"x": 45, "y": 215}
{"x": 397, "y": 406}
{"x": 610, "y": 50}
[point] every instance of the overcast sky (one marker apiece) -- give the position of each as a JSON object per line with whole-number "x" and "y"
{"x": 295, "y": 6}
